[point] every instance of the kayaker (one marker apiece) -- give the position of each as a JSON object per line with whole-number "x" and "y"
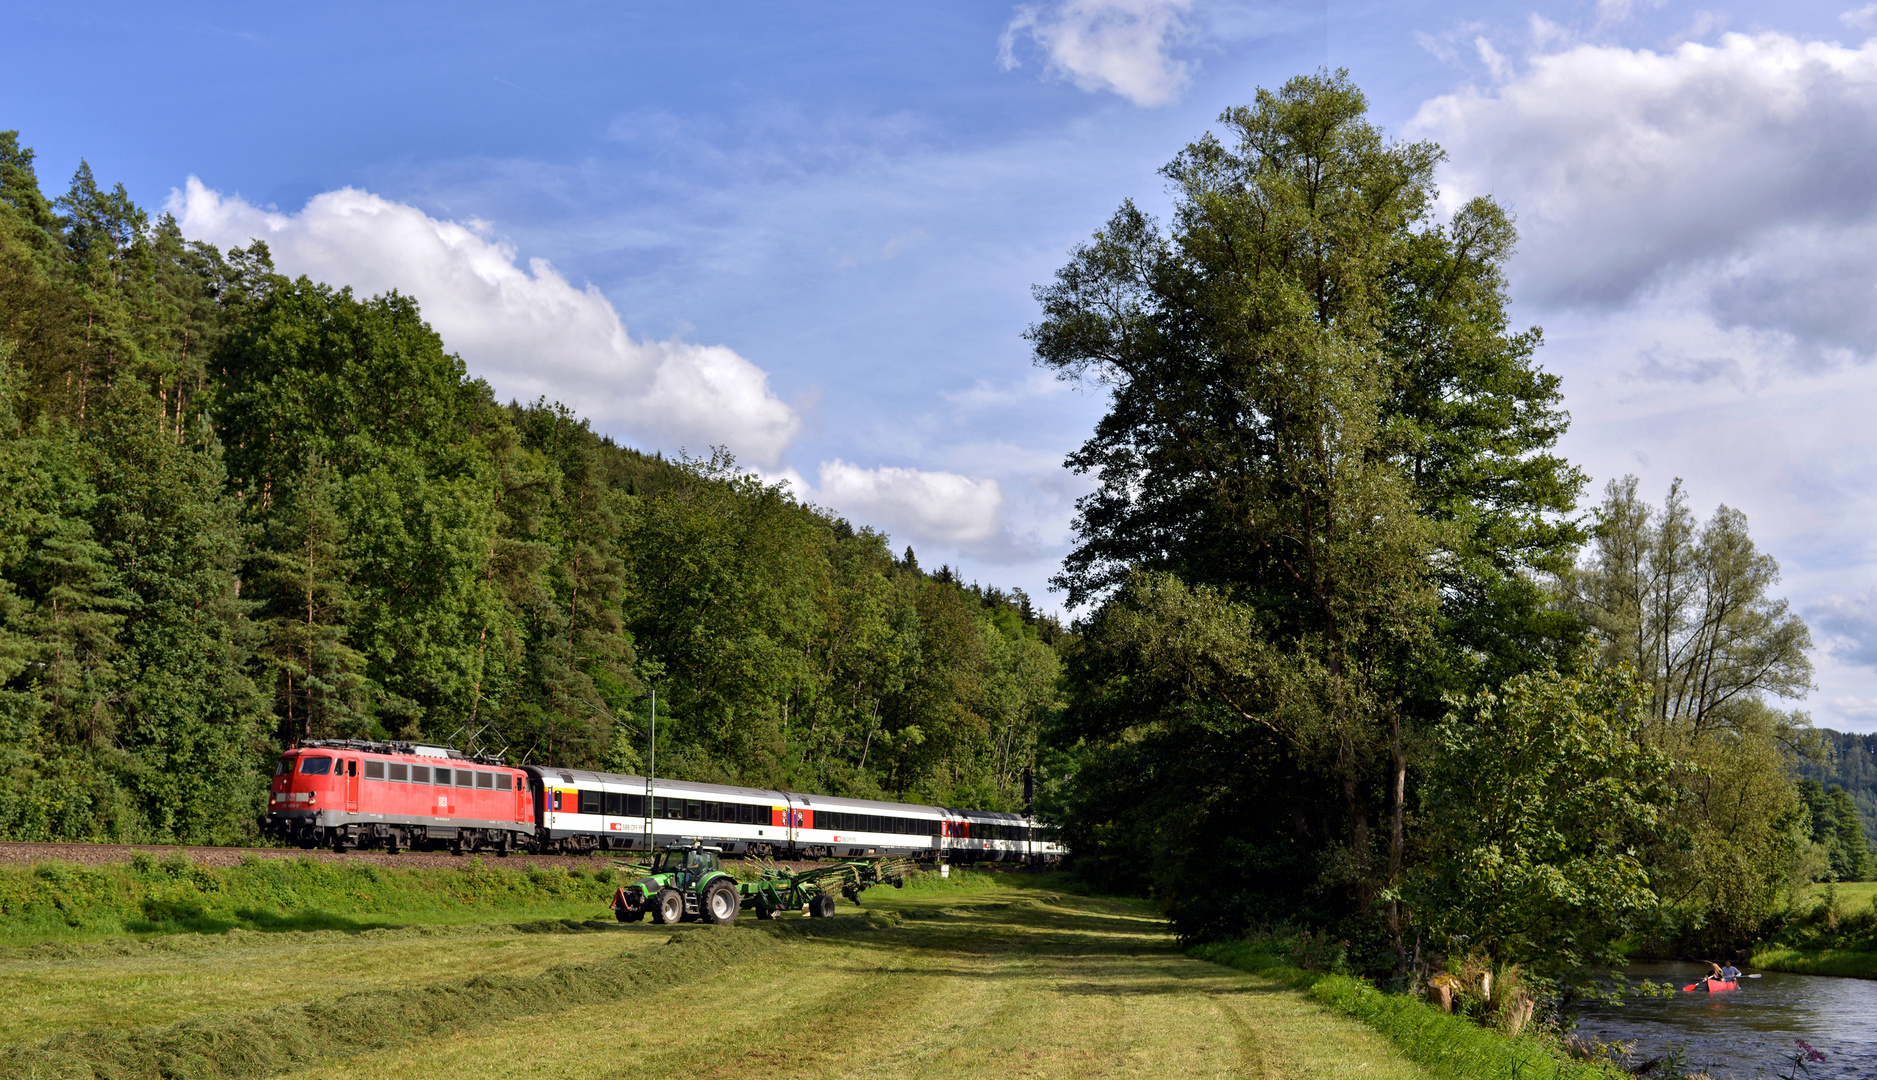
{"x": 1714, "y": 972}
{"x": 1730, "y": 973}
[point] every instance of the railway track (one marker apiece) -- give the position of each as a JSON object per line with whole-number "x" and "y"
{"x": 16, "y": 853}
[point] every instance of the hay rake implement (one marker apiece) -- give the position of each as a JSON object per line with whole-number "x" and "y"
{"x": 812, "y": 892}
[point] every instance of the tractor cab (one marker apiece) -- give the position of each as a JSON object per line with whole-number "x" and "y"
{"x": 691, "y": 861}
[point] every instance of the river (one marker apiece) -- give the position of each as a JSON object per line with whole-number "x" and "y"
{"x": 1739, "y": 1034}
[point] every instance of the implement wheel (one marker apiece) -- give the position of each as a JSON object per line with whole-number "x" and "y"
{"x": 821, "y": 907}
{"x": 667, "y": 907}
{"x": 721, "y": 903}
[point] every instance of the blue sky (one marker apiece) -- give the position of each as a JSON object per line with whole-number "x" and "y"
{"x": 809, "y": 232}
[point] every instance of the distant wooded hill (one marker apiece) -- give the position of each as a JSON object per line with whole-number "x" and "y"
{"x": 1853, "y": 767}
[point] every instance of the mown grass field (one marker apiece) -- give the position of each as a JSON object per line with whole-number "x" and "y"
{"x": 981, "y": 977}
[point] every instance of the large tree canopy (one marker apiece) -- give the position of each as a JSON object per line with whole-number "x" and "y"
{"x": 1325, "y": 498}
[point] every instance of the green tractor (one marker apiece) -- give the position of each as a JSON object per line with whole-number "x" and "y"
{"x": 684, "y": 882}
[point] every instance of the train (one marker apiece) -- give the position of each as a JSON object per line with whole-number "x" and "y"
{"x": 392, "y": 796}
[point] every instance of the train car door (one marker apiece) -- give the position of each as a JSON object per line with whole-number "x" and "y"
{"x": 351, "y": 785}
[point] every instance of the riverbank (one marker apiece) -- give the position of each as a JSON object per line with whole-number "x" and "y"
{"x": 1444, "y": 1044}
{"x": 1832, "y": 931}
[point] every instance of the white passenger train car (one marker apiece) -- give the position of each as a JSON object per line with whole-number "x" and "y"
{"x": 581, "y": 810}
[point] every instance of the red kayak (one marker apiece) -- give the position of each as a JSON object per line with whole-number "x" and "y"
{"x": 1713, "y": 985}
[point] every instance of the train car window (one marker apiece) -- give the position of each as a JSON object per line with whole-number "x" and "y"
{"x": 485, "y": 780}
{"x": 315, "y": 766}
{"x": 693, "y": 810}
{"x": 635, "y": 806}
{"x": 713, "y": 811}
{"x": 351, "y": 767}
{"x": 420, "y": 774}
{"x": 615, "y": 803}
{"x": 283, "y": 766}
{"x": 440, "y": 776}
{"x": 400, "y": 771}
{"x": 465, "y": 778}
{"x": 504, "y": 782}
{"x": 745, "y": 814}
{"x": 374, "y": 770}
{"x": 590, "y": 801}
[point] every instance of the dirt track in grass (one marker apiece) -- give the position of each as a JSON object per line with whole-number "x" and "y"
{"x": 1003, "y": 982}
{"x": 983, "y": 979}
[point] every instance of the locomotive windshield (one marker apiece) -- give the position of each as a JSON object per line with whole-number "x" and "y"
{"x": 283, "y": 766}
{"x": 315, "y": 766}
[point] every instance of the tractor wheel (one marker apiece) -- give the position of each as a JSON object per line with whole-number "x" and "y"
{"x": 721, "y": 903}
{"x": 821, "y": 907}
{"x": 667, "y": 907}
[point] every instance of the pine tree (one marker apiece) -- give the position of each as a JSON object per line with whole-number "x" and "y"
{"x": 316, "y": 677}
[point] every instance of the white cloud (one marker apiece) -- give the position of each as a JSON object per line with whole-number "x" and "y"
{"x": 1118, "y": 45}
{"x": 942, "y": 508}
{"x": 529, "y": 332}
{"x": 1733, "y": 178}
{"x": 1847, "y": 626}
{"x": 1864, "y": 18}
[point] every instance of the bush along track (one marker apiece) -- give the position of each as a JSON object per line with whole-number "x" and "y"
{"x": 263, "y": 1042}
{"x": 1444, "y": 1044}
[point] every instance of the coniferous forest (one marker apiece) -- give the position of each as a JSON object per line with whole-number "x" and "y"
{"x": 242, "y": 510}
{"x": 1355, "y": 652}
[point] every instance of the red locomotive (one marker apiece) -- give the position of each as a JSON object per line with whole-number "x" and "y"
{"x": 351, "y": 793}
